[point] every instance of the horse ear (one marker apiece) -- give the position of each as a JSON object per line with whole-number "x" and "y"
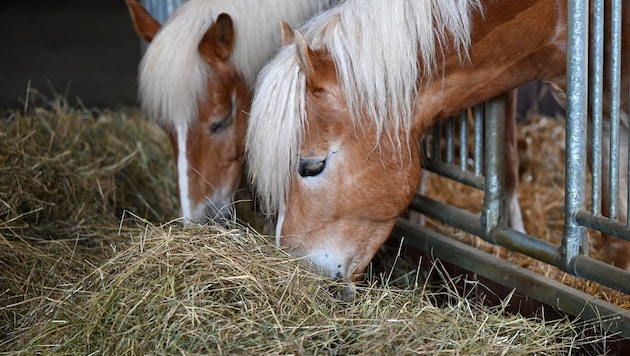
{"x": 145, "y": 25}
{"x": 305, "y": 55}
{"x": 286, "y": 34}
{"x": 219, "y": 39}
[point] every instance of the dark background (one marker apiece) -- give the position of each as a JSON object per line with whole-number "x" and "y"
{"x": 88, "y": 52}
{"x": 83, "y": 50}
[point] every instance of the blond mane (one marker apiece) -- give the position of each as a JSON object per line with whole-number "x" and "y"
{"x": 375, "y": 46}
{"x": 172, "y": 75}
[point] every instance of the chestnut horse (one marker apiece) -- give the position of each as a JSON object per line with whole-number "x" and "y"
{"x": 338, "y": 113}
{"x": 195, "y": 81}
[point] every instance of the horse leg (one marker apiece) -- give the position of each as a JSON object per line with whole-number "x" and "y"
{"x": 512, "y": 207}
{"x": 616, "y": 251}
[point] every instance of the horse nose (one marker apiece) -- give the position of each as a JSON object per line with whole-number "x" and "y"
{"x": 223, "y": 216}
{"x": 220, "y": 209}
{"x": 227, "y": 217}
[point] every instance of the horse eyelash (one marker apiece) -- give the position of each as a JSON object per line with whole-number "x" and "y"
{"x": 216, "y": 127}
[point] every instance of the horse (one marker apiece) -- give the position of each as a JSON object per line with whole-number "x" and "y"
{"x": 337, "y": 115}
{"x": 195, "y": 82}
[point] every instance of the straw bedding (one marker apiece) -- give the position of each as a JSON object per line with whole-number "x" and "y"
{"x": 88, "y": 266}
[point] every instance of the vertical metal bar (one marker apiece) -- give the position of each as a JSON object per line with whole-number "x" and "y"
{"x": 463, "y": 139}
{"x": 437, "y": 142}
{"x": 450, "y": 140}
{"x": 576, "y": 136}
{"x": 617, "y": 10}
{"x": 494, "y": 164}
{"x": 160, "y": 10}
{"x": 478, "y": 116}
{"x": 596, "y": 105}
{"x": 615, "y": 85}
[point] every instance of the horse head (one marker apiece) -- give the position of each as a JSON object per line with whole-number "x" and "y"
{"x": 189, "y": 86}
{"x": 346, "y": 182}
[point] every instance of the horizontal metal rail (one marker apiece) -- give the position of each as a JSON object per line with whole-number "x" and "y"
{"x": 455, "y": 173}
{"x": 565, "y": 299}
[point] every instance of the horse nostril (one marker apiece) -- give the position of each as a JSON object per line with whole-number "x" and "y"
{"x": 311, "y": 167}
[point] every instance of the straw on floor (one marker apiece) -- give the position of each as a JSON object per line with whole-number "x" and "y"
{"x": 91, "y": 262}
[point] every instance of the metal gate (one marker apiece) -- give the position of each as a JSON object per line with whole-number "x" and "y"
{"x": 160, "y": 10}
{"x": 487, "y": 173}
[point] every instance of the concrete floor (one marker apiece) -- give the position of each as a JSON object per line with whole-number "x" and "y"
{"x": 83, "y": 50}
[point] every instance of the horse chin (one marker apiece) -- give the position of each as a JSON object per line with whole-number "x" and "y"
{"x": 346, "y": 291}
{"x": 332, "y": 258}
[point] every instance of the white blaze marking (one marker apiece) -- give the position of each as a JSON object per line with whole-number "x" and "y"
{"x": 182, "y": 172}
{"x": 279, "y": 223}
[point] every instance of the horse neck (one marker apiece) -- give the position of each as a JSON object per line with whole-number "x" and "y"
{"x": 513, "y": 42}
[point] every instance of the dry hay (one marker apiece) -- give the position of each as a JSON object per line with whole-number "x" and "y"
{"x": 65, "y": 172}
{"x": 85, "y": 268}
{"x": 541, "y": 196}
{"x": 231, "y": 291}
{"x": 66, "y": 177}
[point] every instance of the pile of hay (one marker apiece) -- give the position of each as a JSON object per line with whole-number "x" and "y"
{"x": 67, "y": 175}
{"x": 210, "y": 290}
{"x": 85, "y": 267}
{"x": 66, "y": 172}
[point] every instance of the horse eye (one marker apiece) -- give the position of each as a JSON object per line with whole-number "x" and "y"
{"x": 221, "y": 124}
{"x": 311, "y": 168}
{"x": 226, "y": 120}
